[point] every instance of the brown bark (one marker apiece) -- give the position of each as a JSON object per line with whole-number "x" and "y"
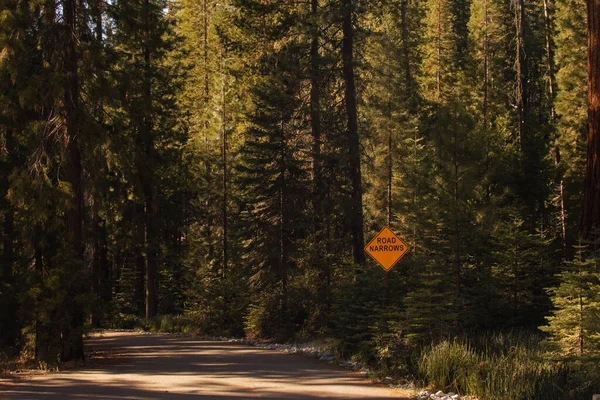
{"x": 72, "y": 335}
{"x": 41, "y": 336}
{"x": 315, "y": 117}
{"x": 590, "y": 220}
{"x": 318, "y": 217}
{"x": 8, "y": 256}
{"x": 95, "y": 269}
{"x": 147, "y": 175}
{"x": 9, "y": 334}
{"x": 352, "y": 131}
{"x": 438, "y": 72}
{"x": 405, "y": 48}
{"x": 556, "y": 150}
{"x": 486, "y": 45}
{"x": 225, "y": 177}
{"x": 282, "y": 223}
{"x": 100, "y": 267}
{"x": 521, "y": 70}
{"x": 207, "y": 166}
{"x": 140, "y": 261}
{"x": 390, "y": 168}
{"x": 9, "y": 228}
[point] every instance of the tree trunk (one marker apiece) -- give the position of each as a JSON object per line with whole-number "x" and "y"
{"x": 438, "y": 72}
{"x": 9, "y": 228}
{"x": 315, "y": 120}
{"x": 72, "y": 335}
{"x": 8, "y": 256}
{"x": 282, "y": 224}
{"x": 140, "y": 261}
{"x": 558, "y": 179}
{"x": 148, "y": 176}
{"x": 318, "y": 217}
{"x": 486, "y": 44}
{"x": 521, "y": 71}
{"x": 96, "y": 269}
{"x": 352, "y": 131}
{"x": 207, "y": 166}
{"x": 9, "y": 334}
{"x": 224, "y": 182}
{"x": 590, "y": 220}
{"x": 41, "y": 335}
{"x": 457, "y": 238}
{"x": 390, "y": 167}
{"x": 405, "y": 49}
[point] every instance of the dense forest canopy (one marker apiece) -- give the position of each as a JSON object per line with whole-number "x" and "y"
{"x": 226, "y": 161}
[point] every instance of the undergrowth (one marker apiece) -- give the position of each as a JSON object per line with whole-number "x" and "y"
{"x": 512, "y": 366}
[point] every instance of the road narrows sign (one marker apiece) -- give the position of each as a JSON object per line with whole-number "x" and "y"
{"x": 386, "y": 248}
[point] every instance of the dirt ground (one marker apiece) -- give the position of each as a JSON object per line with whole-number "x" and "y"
{"x": 125, "y": 365}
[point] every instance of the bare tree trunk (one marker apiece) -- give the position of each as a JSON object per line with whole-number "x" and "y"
{"x": 457, "y": 238}
{"x": 486, "y": 84}
{"x": 390, "y": 168}
{"x": 100, "y": 266}
{"x": 9, "y": 226}
{"x": 8, "y": 256}
{"x": 41, "y": 333}
{"x": 96, "y": 268}
{"x": 207, "y": 167}
{"x": 72, "y": 335}
{"x": 318, "y": 218}
{"x": 405, "y": 48}
{"x": 550, "y": 65}
{"x": 352, "y": 127}
{"x": 486, "y": 44}
{"x": 282, "y": 223}
{"x": 148, "y": 176}
{"x": 590, "y": 220}
{"x": 580, "y": 319}
{"x": 140, "y": 261}
{"x": 390, "y": 177}
{"x": 521, "y": 70}
{"x": 9, "y": 334}
{"x": 224, "y": 166}
{"x": 438, "y": 72}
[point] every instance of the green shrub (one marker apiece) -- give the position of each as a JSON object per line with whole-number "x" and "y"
{"x": 129, "y": 321}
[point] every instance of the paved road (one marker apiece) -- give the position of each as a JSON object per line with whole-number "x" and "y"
{"x": 142, "y": 366}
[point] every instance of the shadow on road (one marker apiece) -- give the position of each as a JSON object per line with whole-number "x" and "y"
{"x": 143, "y": 366}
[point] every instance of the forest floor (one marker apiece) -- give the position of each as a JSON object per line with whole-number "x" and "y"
{"x": 128, "y": 365}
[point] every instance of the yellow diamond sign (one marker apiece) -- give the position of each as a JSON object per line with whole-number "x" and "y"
{"x": 386, "y": 248}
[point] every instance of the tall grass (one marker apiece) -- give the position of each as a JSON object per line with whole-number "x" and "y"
{"x": 451, "y": 366}
{"x": 502, "y": 366}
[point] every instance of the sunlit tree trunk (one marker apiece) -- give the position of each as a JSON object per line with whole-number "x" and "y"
{"x": 590, "y": 221}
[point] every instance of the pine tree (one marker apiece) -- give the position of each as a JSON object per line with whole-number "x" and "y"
{"x": 147, "y": 86}
{"x": 17, "y": 99}
{"x": 575, "y": 322}
{"x": 273, "y": 177}
{"x": 571, "y": 106}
